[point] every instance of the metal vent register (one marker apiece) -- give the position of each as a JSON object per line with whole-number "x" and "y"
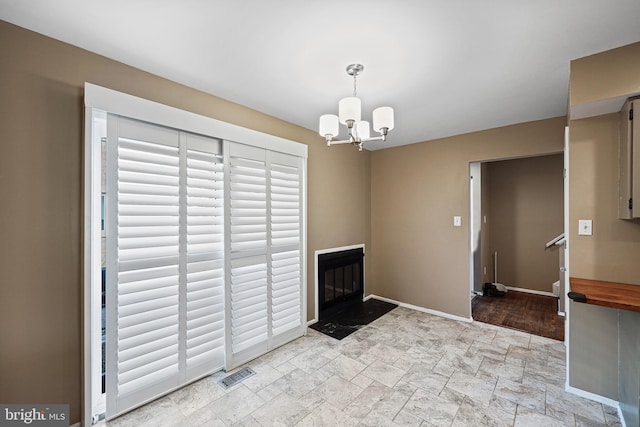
{"x": 235, "y": 378}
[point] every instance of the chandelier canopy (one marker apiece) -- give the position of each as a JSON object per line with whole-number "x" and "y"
{"x": 350, "y": 115}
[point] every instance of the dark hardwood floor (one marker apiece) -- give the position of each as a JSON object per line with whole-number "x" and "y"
{"x": 536, "y": 314}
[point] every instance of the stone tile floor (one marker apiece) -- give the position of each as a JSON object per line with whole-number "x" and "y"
{"x": 405, "y": 369}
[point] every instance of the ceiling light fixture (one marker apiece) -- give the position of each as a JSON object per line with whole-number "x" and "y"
{"x": 349, "y": 114}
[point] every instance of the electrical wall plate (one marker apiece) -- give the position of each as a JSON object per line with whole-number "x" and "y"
{"x": 585, "y": 227}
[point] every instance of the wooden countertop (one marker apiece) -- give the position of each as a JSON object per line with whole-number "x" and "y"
{"x": 608, "y": 294}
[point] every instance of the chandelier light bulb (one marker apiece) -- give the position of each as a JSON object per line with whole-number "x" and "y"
{"x": 383, "y": 118}
{"x": 362, "y": 130}
{"x": 329, "y": 126}
{"x": 349, "y": 109}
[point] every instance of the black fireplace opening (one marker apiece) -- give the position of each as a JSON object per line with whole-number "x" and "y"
{"x": 340, "y": 280}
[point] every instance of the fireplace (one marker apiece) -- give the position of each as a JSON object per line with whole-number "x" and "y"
{"x": 340, "y": 280}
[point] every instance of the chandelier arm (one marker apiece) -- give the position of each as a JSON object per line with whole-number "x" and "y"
{"x": 342, "y": 141}
{"x": 374, "y": 138}
{"x": 352, "y": 138}
{"x": 355, "y": 141}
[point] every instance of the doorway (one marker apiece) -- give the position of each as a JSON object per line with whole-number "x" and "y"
{"x": 517, "y": 208}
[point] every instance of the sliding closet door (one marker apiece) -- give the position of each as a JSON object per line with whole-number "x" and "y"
{"x": 165, "y": 261}
{"x": 264, "y": 283}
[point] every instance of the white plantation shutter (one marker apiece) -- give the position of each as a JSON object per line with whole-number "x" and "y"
{"x": 264, "y": 292}
{"x": 165, "y": 306}
{"x": 205, "y": 256}
{"x": 143, "y": 265}
{"x": 196, "y": 276}
{"x": 247, "y": 295}
{"x": 286, "y": 236}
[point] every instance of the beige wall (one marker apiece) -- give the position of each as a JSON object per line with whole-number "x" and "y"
{"x": 526, "y": 210}
{"x": 41, "y": 131}
{"x": 593, "y": 349}
{"x": 605, "y": 75}
{"x": 419, "y": 258}
{"x": 612, "y": 252}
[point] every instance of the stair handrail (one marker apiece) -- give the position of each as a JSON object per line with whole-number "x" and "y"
{"x": 555, "y": 241}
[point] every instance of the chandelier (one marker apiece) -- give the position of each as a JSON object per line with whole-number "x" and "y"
{"x": 349, "y": 114}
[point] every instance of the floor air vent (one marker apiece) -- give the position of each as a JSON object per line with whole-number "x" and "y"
{"x": 233, "y": 379}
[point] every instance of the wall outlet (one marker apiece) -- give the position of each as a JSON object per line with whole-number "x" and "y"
{"x": 457, "y": 221}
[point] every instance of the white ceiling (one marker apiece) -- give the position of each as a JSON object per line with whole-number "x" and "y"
{"x": 447, "y": 67}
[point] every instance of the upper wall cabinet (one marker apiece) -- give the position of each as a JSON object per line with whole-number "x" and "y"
{"x": 629, "y": 158}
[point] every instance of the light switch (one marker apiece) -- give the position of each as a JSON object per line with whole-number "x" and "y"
{"x": 457, "y": 221}
{"x": 585, "y": 227}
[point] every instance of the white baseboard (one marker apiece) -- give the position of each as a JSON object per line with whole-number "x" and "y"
{"x": 596, "y": 398}
{"x": 621, "y": 417}
{"x": 561, "y": 313}
{"x": 531, "y": 291}
{"x": 591, "y": 396}
{"x": 421, "y": 309}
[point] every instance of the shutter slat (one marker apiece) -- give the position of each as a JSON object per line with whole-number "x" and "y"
{"x": 147, "y": 316}
{"x": 204, "y": 317}
{"x": 140, "y": 340}
{"x": 150, "y": 364}
{"x": 138, "y": 351}
{"x": 146, "y": 221}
